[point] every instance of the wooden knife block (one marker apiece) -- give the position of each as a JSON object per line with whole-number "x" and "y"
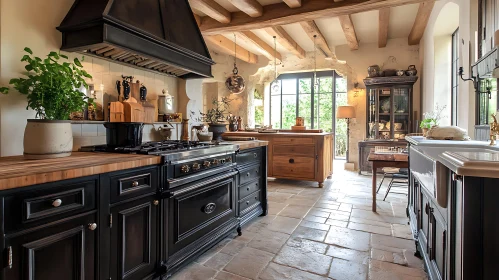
{"x": 133, "y": 112}
{"x": 116, "y": 112}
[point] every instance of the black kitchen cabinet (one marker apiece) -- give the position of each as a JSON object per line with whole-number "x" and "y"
{"x": 65, "y": 249}
{"x": 134, "y": 239}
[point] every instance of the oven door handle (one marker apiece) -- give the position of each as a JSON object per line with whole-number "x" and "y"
{"x": 200, "y": 184}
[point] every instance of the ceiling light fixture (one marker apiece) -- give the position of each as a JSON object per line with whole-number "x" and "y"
{"x": 235, "y": 83}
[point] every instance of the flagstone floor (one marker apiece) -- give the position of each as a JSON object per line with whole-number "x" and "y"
{"x": 313, "y": 234}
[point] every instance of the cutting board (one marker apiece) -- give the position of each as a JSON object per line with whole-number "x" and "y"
{"x": 116, "y": 112}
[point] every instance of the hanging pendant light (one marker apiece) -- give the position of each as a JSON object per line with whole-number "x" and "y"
{"x": 275, "y": 86}
{"x": 235, "y": 83}
{"x": 315, "y": 80}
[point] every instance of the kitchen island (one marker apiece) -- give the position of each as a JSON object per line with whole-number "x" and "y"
{"x": 297, "y": 155}
{"x": 119, "y": 216}
{"x": 453, "y": 206}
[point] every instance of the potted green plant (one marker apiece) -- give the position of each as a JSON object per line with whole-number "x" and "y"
{"x": 216, "y": 117}
{"x": 53, "y": 91}
{"x": 431, "y": 119}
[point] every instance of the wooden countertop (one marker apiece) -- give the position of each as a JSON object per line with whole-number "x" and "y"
{"x": 244, "y": 145}
{"x": 282, "y": 134}
{"x": 18, "y": 172}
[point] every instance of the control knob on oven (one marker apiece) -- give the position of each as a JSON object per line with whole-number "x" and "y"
{"x": 185, "y": 168}
{"x": 196, "y": 166}
{"x": 207, "y": 164}
{"x": 215, "y": 162}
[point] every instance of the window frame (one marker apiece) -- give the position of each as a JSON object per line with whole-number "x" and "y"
{"x": 297, "y": 77}
{"x": 454, "y": 76}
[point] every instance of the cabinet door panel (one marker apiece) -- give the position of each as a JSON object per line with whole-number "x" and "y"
{"x": 425, "y": 221}
{"x": 63, "y": 251}
{"x": 134, "y": 239}
{"x": 438, "y": 243}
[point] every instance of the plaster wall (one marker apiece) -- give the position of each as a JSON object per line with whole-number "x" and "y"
{"x": 31, "y": 23}
{"x": 468, "y": 14}
{"x": 358, "y": 61}
{"x": 442, "y": 81}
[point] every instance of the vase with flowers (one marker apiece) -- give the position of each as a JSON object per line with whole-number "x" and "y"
{"x": 431, "y": 119}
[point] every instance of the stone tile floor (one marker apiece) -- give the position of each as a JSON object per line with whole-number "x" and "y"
{"x": 313, "y": 234}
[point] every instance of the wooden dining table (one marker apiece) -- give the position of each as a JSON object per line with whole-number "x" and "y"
{"x": 380, "y": 160}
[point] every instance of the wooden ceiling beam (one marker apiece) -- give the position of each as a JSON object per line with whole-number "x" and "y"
{"x": 264, "y": 48}
{"x": 312, "y": 29}
{"x": 281, "y": 14}
{"x": 349, "y": 30}
{"x": 250, "y": 7}
{"x": 420, "y": 23}
{"x": 384, "y": 20}
{"x": 227, "y": 46}
{"x": 293, "y": 3}
{"x": 198, "y": 19}
{"x": 211, "y": 9}
{"x": 285, "y": 40}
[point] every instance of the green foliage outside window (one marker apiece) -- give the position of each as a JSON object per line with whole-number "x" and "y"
{"x": 323, "y": 107}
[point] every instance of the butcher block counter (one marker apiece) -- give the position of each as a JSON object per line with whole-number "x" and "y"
{"x": 18, "y": 172}
{"x": 297, "y": 156}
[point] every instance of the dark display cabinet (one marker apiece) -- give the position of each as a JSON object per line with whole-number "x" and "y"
{"x": 389, "y": 107}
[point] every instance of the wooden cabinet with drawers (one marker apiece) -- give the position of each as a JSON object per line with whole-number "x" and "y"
{"x": 297, "y": 156}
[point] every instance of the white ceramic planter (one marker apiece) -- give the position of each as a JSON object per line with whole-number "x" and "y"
{"x": 47, "y": 139}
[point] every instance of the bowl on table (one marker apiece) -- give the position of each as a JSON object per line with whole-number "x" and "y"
{"x": 205, "y": 137}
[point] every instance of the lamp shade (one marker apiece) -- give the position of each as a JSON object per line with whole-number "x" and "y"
{"x": 345, "y": 112}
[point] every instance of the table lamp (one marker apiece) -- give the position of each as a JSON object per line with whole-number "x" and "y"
{"x": 346, "y": 112}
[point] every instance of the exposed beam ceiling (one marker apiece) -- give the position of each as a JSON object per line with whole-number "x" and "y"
{"x": 264, "y": 48}
{"x": 227, "y": 46}
{"x": 384, "y": 20}
{"x": 281, "y": 14}
{"x": 421, "y": 21}
{"x": 311, "y": 29}
{"x": 285, "y": 40}
{"x": 198, "y": 19}
{"x": 349, "y": 30}
{"x": 293, "y": 3}
{"x": 250, "y": 7}
{"x": 212, "y": 9}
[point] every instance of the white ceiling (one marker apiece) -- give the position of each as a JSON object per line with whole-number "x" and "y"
{"x": 366, "y": 27}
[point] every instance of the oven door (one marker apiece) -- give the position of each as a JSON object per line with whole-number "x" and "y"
{"x": 197, "y": 211}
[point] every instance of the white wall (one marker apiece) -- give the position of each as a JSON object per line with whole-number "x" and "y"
{"x": 32, "y": 23}
{"x": 467, "y": 28}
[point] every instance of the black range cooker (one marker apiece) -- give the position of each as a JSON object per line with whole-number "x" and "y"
{"x": 198, "y": 193}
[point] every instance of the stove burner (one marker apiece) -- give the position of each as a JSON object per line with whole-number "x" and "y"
{"x": 152, "y": 148}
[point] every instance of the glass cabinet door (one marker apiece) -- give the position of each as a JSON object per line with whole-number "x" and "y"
{"x": 400, "y": 122}
{"x": 388, "y": 112}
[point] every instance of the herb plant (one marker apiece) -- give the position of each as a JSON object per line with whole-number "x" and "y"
{"x": 217, "y": 114}
{"x": 52, "y": 88}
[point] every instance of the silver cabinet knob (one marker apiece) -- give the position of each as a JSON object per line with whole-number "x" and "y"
{"x": 57, "y": 203}
{"x": 135, "y": 183}
{"x": 156, "y": 202}
{"x": 92, "y": 226}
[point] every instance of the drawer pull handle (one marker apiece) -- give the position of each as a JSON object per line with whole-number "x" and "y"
{"x": 247, "y": 202}
{"x": 256, "y": 171}
{"x": 92, "y": 226}
{"x": 248, "y": 188}
{"x": 156, "y": 202}
{"x": 255, "y": 155}
{"x": 291, "y": 160}
{"x": 135, "y": 183}
{"x": 209, "y": 208}
{"x": 57, "y": 203}
{"x": 247, "y": 174}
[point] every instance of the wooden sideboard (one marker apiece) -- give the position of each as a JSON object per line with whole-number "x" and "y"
{"x": 297, "y": 156}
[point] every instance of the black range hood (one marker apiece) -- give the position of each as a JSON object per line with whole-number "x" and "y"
{"x": 159, "y": 35}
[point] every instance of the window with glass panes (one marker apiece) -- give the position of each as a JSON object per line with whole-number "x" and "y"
{"x": 298, "y": 97}
{"x": 455, "y": 76}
